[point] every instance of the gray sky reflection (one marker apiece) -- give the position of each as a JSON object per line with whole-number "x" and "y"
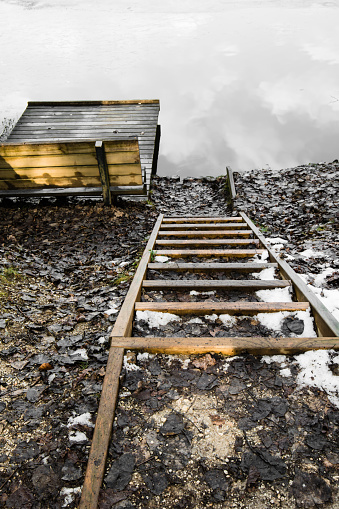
{"x": 244, "y": 84}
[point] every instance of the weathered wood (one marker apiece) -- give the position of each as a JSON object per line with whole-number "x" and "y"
{"x": 326, "y": 324}
{"x": 68, "y": 171}
{"x": 201, "y": 219}
{"x": 202, "y": 226}
{"x": 103, "y": 170}
{"x": 67, "y": 104}
{"x": 228, "y": 253}
{"x": 226, "y": 345}
{"x": 207, "y": 242}
{"x": 39, "y": 148}
{"x": 231, "y": 193}
{"x": 212, "y": 284}
{"x": 211, "y": 266}
{"x": 102, "y": 431}
{"x": 203, "y": 308}
{"x": 208, "y": 234}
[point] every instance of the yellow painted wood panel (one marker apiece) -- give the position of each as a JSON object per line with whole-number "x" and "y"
{"x": 48, "y": 147}
{"x": 67, "y": 160}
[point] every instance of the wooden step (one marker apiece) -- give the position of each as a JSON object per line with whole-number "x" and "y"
{"x": 201, "y": 233}
{"x": 213, "y": 284}
{"x": 204, "y": 308}
{"x": 229, "y": 253}
{"x": 211, "y": 226}
{"x": 207, "y": 242}
{"x": 201, "y": 219}
{"x": 225, "y": 346}
{"x": 212, "y": 266}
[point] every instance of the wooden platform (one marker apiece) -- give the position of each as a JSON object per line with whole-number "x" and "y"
{"x": 93, "y": 120}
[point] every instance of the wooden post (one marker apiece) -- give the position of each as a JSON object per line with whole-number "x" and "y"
{"x": 103, "y": 170}
{"x": 230, "y": 187}
{"x": 156, "y": 151}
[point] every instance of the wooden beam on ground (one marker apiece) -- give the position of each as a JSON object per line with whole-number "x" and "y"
{"x": 226, "y": 346}
{"x": 207, "y": 242}
{"x": 212, "y": 266}
{"x": 231, "y": 308}
{"x": 103, "y": 427}
{"x": 201, "y": 219}
{"x": 209, "y": 234}
{"x": 227, "y": 253}
{"x": 214, "y": 284}
{"x": 207, "y": 226}
{"x": 326, "y": 324}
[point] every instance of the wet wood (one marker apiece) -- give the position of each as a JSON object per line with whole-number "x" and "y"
{"x": 103, "y": 427}
{"x": 202, "y": 226}
{"x": 207, "y": 242}
{"x": 201, "y": 219}
{"x": 226, "y": 345}
{"x": 244, "y": 284}
{"x": 203, "y": 308}
{"x": 208, "y": 234}
{"x": 211, "y": 266}
{"x": 227, "y": 253}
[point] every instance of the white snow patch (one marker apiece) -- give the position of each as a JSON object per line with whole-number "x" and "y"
{"x": 310, "y": 253}
{"x": 81, "y": 352}
{"x": 194, "y": 292}
{"x": 144, "y": 356}
{"x": 272, "y": 321}
{"x": 69, "y": 494}
{"x": 84, "y": 419}
{"x": 228, "y": 320}
{"x": 330, "y": 298}
{"x": 161, "y": 259}
{"x": 279, "y": 359}
{"x": 102, "y": 340}
{"x": 77, "y": 436}
{"x": 276, "y": 294}
{"x": 113, "y": 308}
{"x": 286, "y": 372}
{"x": 315, "y": 372}
{"x": 211, "y": 318}
{"x": 51, "y": 378}
{"x": 309, "y": 331}
{"x": 319, "y": 279}
{"x": 195, "y": 320}
{"x": 265, "y": 274}
{"x": 123, "y": 264}
{"x": 154, "y": 318}
{"x": 129, "y": 366}
{"x": 227, "y": 362}
{"x": 276, "y": 240}
{"x": 262, "y": 257}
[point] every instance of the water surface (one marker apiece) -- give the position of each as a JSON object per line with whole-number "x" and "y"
{"x": 245, "y": 84}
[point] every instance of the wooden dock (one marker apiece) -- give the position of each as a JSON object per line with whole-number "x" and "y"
{"x": 92, "y": 121}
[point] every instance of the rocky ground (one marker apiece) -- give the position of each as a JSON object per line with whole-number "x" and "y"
{"x": 189, "y": 432}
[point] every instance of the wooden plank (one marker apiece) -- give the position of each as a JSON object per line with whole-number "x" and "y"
{"x": 74, "y": 159}
{"x": 117, "y": 180}
{"x": 117, "y": 122}
{"x": 209, "y": 226}
{"x": 208, "y": 242}
{"x": 229, "y": 253}
{"x": 326, "y": 324}
{"x": 103, "y": 427}
{"x": 210, "y": 234}
{"x": 47, "y": 147}
{"x": 212, "y": 284}
{"x": 204, "y": 308}
{"x": 68, "y": 171}
{"x": 58, "y": 104}
{"x": 84, "y": 128}
{"x": 202, "y": 219}
{"x": 103, "y": 170}
{"x": 211, "y": 266}
{"x": 226, "y": 345}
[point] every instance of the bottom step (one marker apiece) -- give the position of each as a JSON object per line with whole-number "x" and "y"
{"x": 225, "y": 346}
